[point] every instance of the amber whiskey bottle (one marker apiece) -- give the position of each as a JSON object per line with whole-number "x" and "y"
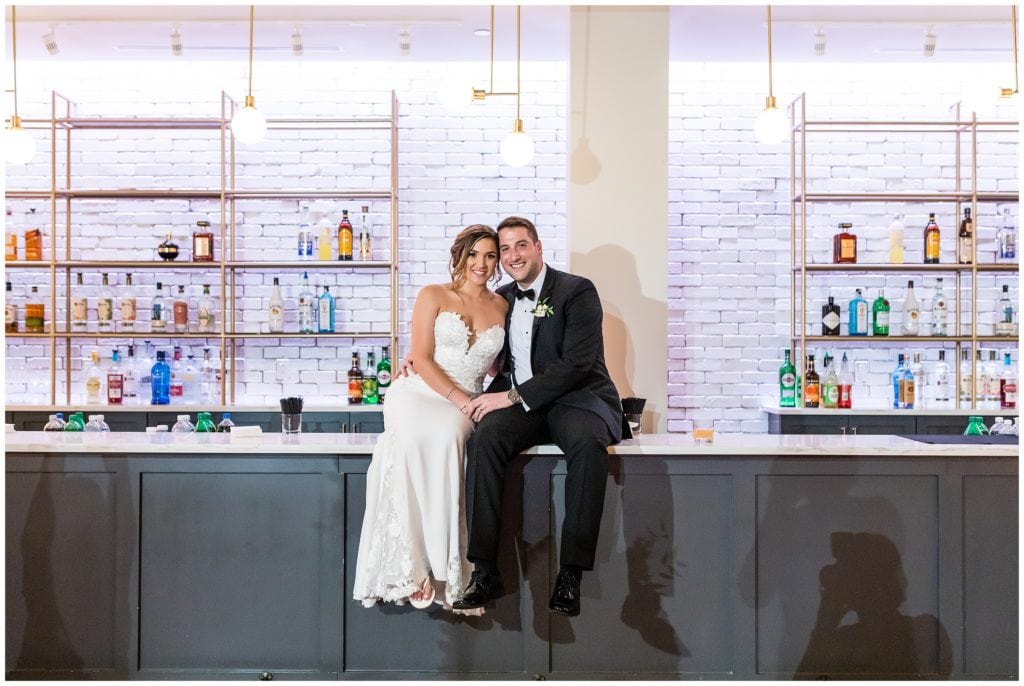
{"x": 355, "y": 381}
{"x": 844, "y": 245}
{"x": 931, "y": 241}
{"x": 813, "y": 385}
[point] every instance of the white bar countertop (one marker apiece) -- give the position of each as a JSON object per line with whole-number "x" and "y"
{"x": 889, "y": 412}
{"x": 751, "y": 445}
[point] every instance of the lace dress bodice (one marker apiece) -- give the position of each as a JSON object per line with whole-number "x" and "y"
{"x": 464, "y": 361}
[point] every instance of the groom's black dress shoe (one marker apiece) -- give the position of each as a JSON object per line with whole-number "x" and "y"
{"x": 566, "y": 598}
{"x": 482, "y": 588}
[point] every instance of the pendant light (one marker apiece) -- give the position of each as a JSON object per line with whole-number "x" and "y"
{"x": 1010, "y": 93}
{"x": 19, "y": 147}
{"x": 517, "y": 147}
{"x": 771, "y": 125}
{"x": 248, "y": 125}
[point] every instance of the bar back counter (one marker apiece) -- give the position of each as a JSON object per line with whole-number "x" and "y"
{"x": 188, "y": 556}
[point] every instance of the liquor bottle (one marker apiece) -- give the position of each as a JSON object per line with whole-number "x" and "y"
{"x": 812, "y": 385}
{"x": 34, "y": 244}
{"x": 1004, "y": 314}
{"x": 94, "y": 381}
{"x": 207, "y": 378}
{"x": 160, "y": 384}
{"x": 131, "y": 378}
{"x": 202, "y": 242}
{"x": 920, "y": 383}
{"x": 880, "y": 315}
{"x": 383, "y": 373}
{"x": 344, "y": 237}
{"x": 365, "y": 249}
{"x": 896, "y": 240}
{"x": 325, "y": 312}
{"x": 830, "y": 384}
{"x": 204, "y": 424}
{"x": 190, "y": 382}
{"x": 830, "y": 318}
{"x": 931, "y": 241}
{"x": 965, "y": 239}
{"x": 858, "y": 315}
{"x": 940, "y": 311}
{"x": 992, "y": 378}
{"x": 35, "y": 313}
{"x": 845, "y": 385}
{"x": 10, "y": 312}
{"x": 1008, "y": 384}
{"x": 980, "y": 379}
{"x": 145, "y": 368}
{"x": 307, "y": 307}
{"x": 11, "y": 240}
{"x": 157, "y": 323}
{"x": 844, "y": 244}
{"x": 787, "y": 382}
{"x": 942, "y": 392}
{"x": 225, "y": 425}
{"x": 128, "y": 305}
{"x": 911, "y": 312}
{"x": 105, "y": 307}
{"x": 177, "y": 390}
{"x": 79, "y": 307}
{"x": 1007, "y": 239}
{"x": 898, "y": 398}
{"x": 305, "y": 242}
{"x": 355, "y": 381}
{"x": 115, "y": 381}
{"x": 370, "y": 380}
{"x": 207, "y": 314}
{"x": 324, "y": 230}
{"x": 276, "y": 316}
{"x": 181, "y": 311}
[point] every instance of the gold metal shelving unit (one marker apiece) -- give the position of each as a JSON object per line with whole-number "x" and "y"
{"x": 63, "y": 122}
{"x": 801, "y": 198}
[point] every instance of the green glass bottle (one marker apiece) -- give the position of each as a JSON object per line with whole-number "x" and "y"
{"x": 383, "y": 374}
{"x": 787, "y": 382}
{"x": 880, "y": 315}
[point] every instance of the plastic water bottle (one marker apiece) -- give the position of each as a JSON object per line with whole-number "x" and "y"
{"x": 183, "y": 425}
{"x": 53, "y": 424}
{"x": 204, "y": 424}
{"x": 94, "y": 424}
{"x": 226, "y": 424}
{"x": 76, "y": 422}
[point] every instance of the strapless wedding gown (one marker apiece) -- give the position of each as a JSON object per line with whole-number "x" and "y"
{"x": 414, "y": 524}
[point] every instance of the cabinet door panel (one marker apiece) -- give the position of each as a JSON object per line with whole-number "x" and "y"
{"x": 882, "y": 425}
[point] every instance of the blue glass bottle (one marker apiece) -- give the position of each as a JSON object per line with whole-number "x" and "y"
{"x": 161, "y": 382}
{"x": 908, "y": 389}
{"x": 897, "y": 381}
{"x": 858, "y": 315}
{"x": 325, "y": 312}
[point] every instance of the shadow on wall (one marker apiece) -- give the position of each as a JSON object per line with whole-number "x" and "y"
{"x": 619, "y": 350}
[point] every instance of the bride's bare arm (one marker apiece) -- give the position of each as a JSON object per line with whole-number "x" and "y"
{"x": 425, "y": 311}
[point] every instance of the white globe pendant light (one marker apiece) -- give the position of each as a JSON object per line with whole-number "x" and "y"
{"x": 517, "y": 148}
{"x": 248, "y": 125}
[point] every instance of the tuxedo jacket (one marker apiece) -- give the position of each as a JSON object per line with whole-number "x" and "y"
{"x": 566, "y": 353}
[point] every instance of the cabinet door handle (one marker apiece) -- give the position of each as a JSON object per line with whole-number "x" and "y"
{"x": 843, "y": 429}
{"x": 266, "y": 676}
{"x": 854, "y": 430}
{"x": 344, "y": 427}
{"x": 355, "y": 428}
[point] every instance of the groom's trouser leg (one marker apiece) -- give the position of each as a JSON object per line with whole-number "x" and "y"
{"x": 497, "y": 440}
{"x": 584, "y": 439}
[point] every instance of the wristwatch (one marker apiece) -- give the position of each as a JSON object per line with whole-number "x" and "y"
{"x": 514, "y": 397}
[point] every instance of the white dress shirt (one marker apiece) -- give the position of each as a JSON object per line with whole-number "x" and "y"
{"x": 520, "y": 333}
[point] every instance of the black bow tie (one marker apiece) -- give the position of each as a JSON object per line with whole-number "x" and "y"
{"x": 529, "y": 294}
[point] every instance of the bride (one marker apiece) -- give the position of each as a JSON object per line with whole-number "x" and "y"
{"x": 413, "y": 541}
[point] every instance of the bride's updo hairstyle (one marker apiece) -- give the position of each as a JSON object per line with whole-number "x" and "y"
{"x": 464, "y": 242}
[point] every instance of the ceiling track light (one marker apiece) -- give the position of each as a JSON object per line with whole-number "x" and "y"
{"x": 819, "y": 41}
{"x": 771, "y": 125}
{"x": 176, "y": 48}
{"x": 19, "y": 147}
{"x": 50, "y": 41}
{"x": 297, "y": 47}
{"x": 1008, "y": 92}
{"x": 929, "y": 42}
{"x": 517, "y": 147}
{"x": 248, "y": 125}
{"x": 403, "y": 42}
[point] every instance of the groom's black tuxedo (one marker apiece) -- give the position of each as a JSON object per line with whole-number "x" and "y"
{"x": 567, "y": 351}
{"x": 572, "y": 402}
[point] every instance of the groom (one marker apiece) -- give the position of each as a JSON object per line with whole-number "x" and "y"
{"x": 553, "y": 388}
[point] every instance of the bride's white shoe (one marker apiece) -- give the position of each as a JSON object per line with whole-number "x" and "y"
{"x": 422, "y": 598}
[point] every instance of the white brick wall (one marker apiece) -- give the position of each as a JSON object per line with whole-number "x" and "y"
{"x": 728, "y": 214}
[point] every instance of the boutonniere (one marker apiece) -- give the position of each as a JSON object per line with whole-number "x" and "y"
{"x": 543, "y": 309}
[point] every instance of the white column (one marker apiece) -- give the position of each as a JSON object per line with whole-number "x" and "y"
{"x": 618, "y": 188}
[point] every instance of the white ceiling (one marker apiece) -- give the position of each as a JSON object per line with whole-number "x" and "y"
{"x": 445, "y": 33}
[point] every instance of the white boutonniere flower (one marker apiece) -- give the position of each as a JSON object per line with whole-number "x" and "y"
{"x": 543, "y": 309}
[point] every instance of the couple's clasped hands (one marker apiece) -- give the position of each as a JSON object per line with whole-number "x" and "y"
{"x": 476, "y": 407}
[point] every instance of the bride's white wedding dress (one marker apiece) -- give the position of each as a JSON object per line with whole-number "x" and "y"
{"x": 413, "y": 526}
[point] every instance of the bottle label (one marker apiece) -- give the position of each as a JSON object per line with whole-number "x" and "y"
{"x": 9, "y": 314}
{"x": 788, "y": 381}
{"x": 205, "y": 318}
{"x": 276, "y": 312}
{"x": 181, "y": 315}
{"x": 907, "y": 393}
{"x": 931, "y": 245}
{"x": 383, "y": 377}
{"x": 832, "y": 395}
{"x": 966, "y": 249}
{"x": 847, "y": 249}
{"x": 104, "y": 309}
{"x": 813, "y": 391}
{"x": 79, "y": 309}
{"x": 325, "y": 314}
{"x": 882, "y": 320}
{"x": 831, "y": 320}
{"x": 345, "y": 242}
{"x": 355, "y": 390}
{"x": 845, "y": 395}
{"x": 1008, "y": 394}
{"x": 92, "y": 390}
{"x": 177, "y": 390}
{"x": 128, "y": 309}
{"x": 115, "y": 388}
{"x": 861, "y": 318}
